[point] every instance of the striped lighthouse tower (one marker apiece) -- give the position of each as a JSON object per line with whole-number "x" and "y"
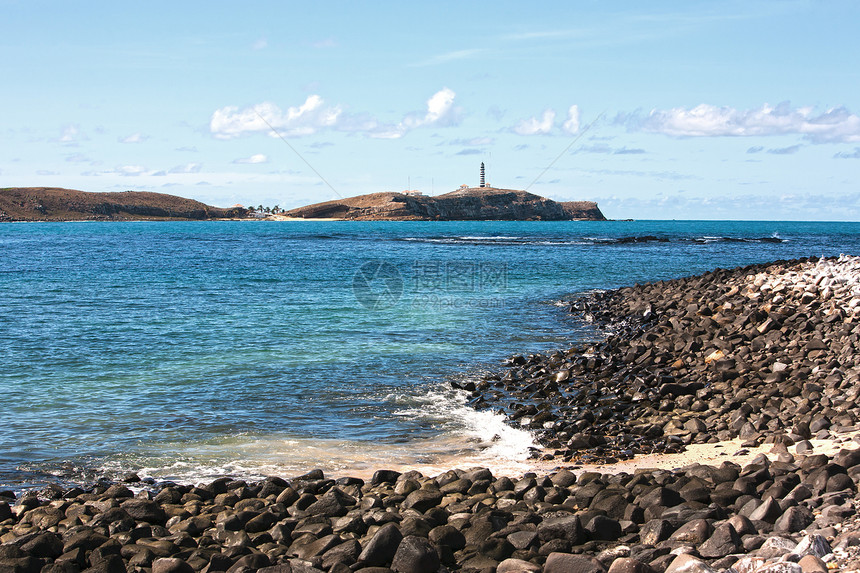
{"x": 482, "y": 175}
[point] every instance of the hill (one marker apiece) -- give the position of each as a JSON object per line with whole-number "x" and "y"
{"x": 54, "y": 204}
{"x": 465, "y": 204}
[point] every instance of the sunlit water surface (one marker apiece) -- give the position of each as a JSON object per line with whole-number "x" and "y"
{"x": 187, "y": 351}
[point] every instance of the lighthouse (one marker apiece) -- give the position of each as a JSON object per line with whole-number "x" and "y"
{"x": 482, "y": 175}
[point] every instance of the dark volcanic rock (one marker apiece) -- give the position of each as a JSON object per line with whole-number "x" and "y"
{"x": 171, "y": 565}
{"x": 423, "y": 499}
{"x": 415, "y": 555}
{"x": 568, "y": 528}
{"x": 567, "y": 563}
{"x": 382, "y": 546}
{"x": 603, "y": 528}
{"x": 44, "y": 545}
{"x": 724, "y": 541}
{"x": 145, "y": 510}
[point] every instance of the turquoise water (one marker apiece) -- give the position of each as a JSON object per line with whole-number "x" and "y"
{"x": 190, "y": 350}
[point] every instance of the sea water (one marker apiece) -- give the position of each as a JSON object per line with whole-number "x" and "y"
{"x": 189, "y": 350}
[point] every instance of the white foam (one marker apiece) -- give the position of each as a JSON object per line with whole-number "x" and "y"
{"x": 462, "y": 437}
{"x": 484, "y": 436}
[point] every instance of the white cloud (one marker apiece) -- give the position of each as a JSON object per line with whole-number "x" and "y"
{"x": 125, "y": 171}
{"x": 785, "y": 150}
{"x": 121, "y": 170}
{"x": 313, "y": 116}
{"x": 704, "y": 120}
{"x": 70, "y": 135}
{"x": 535, "y": 126}
{"x": 473, "y": 141}
{"x": 187, "y": 168}
{"x": 595, "y": 148}
{"x": 571, "y": 126}
{"x": 440, "y": 109}
{"x": 306, "y": 119}
{"x": 77, "y": 158}
{"x": 260, "y": 44}
{"x": 848, "y": 155}
{"x": 440, "y": 112}
{"x": 133, "y": 138}
{"x": 450, "y": 57}
{"x": 256, "y": 158}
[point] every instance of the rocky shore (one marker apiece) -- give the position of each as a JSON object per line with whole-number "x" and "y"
{"x": 766, "y": 353}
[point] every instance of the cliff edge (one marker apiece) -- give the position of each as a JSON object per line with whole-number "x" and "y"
{"x": 466, "y": 204}
{"x": 55, "y": 204}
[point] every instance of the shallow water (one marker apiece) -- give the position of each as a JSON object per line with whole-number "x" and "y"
{"x": 190, "y": 350}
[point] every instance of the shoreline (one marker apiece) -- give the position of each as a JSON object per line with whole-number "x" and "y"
{"x": 692, "y": 371}
{"x": 676, "y": 351}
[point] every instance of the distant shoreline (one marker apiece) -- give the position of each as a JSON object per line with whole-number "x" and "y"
{"x": 51, "y": 204}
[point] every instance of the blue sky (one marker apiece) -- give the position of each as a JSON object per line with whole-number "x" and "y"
{"x": 667, "y": 110}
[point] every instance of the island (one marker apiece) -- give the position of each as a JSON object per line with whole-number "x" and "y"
{"x": 56, "y": 204}
{"x": 464, "y": 204}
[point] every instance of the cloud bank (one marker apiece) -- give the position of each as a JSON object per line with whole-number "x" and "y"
{"x": 848, "y": 154}
{"x": 545, "y": 124}
{"x": 836, "y": 125}
{"x": 536, "y": 126}
{"x": 440, "y": 112}
{"x": 314, "y": 116}
{"x": 254, "y": 159}
{"x": 230, "y": 122}
{"x": 133, "y": 138}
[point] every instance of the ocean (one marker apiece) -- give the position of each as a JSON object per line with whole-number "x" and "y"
{"x": 185, "y": 351}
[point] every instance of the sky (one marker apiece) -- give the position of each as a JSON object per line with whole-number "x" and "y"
{"x": 656, "y": 110}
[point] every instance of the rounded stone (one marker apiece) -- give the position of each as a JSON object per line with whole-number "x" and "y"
{"x": 171, "y": 565}
{"x": 415, "y": 555}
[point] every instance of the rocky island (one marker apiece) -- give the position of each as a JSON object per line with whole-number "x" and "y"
{"x": 465, "y": 204}
{"x": 55, "y": 204}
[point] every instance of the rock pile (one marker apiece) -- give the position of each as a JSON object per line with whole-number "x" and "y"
{"x": 699, "y": 519}
{"x": 765, "y": 352}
